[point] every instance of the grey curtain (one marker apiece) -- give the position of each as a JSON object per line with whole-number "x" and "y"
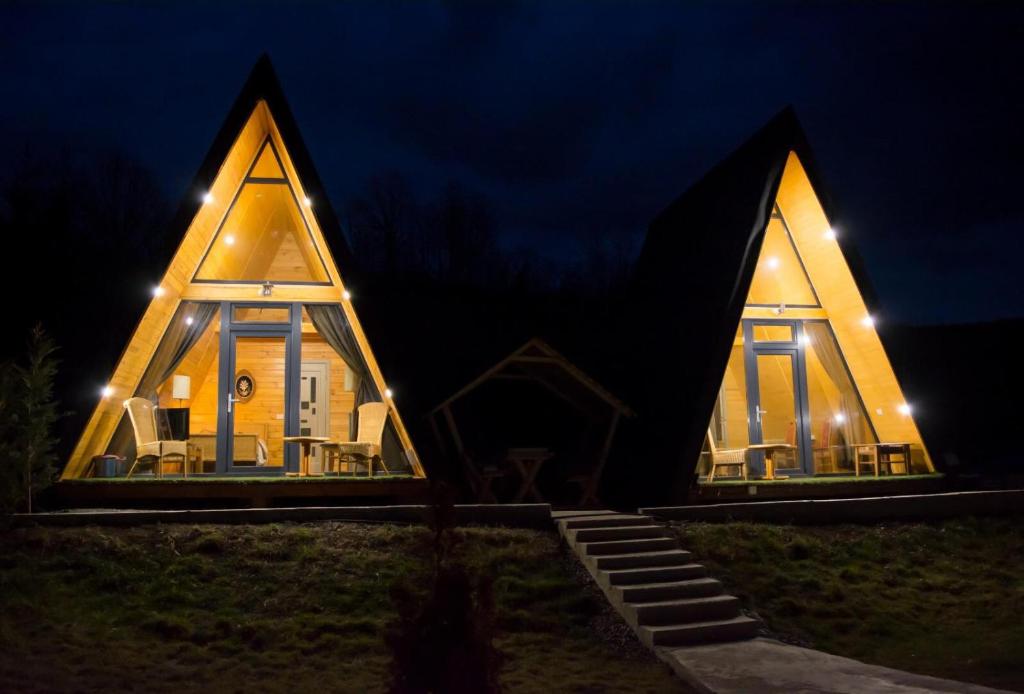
{"x": 854, "y": 427}
{"x": 330, "y": 321}
{"x": 187, "y": 326}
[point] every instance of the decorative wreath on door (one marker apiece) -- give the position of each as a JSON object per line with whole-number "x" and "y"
{"x": 245, "y": 386}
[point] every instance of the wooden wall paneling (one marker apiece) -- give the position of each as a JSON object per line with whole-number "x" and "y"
{"x": 841, "y": 300}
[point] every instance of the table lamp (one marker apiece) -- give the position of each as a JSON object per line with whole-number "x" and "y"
{"x": 181, "y": 388}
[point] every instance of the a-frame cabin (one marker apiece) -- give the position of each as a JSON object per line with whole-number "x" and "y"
{"x": 251, "y": 336}
{"x": 760, "y": 329}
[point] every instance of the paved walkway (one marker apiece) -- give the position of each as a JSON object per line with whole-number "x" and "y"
{"x": 766, "y": 666}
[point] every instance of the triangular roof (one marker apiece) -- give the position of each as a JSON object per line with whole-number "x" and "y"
{"x": 259, "y": 118}
{"x": 527, "y": 358}
{"x": 694, "y": 274}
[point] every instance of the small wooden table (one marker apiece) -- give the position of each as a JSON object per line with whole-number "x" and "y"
{"x": 527, "y": 462}
{"x": 769, "y": 450}
{"x": 879, "y": 454}
{"x": 307, "y": 444}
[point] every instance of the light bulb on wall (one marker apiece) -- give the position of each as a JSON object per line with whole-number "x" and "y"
{"x": 903, "y": 409}
{"x": 830, "y": 234}
{"x": 189, "y": 320}
{"x": 840, "y": 418}
{"x": 106, "y": 391}
{"x": 207, "y": 197}
{"x": 346, "y": 295}
{"x": 229, "y": 240}
{"x": 309, "y": 203}
{"x": 158, "y": 291}
{"x": 868, "y": 321}
{"x": 772, "y": 263}
{"x": 388, "y": 393}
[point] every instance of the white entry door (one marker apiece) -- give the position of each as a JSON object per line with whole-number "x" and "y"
{"x": 314, "y": 407}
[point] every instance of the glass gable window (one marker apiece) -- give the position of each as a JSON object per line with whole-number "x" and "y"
{"x": 779, "y": 277}
{"x": 264, "y": 236}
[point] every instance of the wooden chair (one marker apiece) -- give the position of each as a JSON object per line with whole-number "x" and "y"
{"x": 367, "y": 446}
{"x": 823, "y": 448}
{"x": 734, "y": 457}
{"x": 147, "y": 445}
{"x": 481, "y": 478}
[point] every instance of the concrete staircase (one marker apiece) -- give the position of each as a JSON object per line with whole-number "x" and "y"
{"x": 667, "y": 598}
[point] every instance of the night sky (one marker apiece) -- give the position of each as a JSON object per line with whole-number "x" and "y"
{"x": 580, "y": 118}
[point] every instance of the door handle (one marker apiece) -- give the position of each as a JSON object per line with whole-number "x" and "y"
{"x": 231, "y": 400}
{"x": 759, "y": 413}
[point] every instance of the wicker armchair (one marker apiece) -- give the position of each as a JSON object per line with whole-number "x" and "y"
{"x": 366, "y": 449}
{"x": 734, "y": 457}
{"x": 147, "y": 444}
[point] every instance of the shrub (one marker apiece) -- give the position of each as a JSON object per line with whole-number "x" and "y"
{"x": 443, "y": 641}
{"x": 28, "y": 413}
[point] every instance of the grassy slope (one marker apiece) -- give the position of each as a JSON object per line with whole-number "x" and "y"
{"x": 286, "y": 607}
{"x": 940, "y": 599}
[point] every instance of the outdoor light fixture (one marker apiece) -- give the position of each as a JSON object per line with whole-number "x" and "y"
{"x": 309, "y": 203}
{"x": 229, "y": 240}
{"x": 388, "y": 393}
{"x": 867, "y": 321}
{"x": 346, "y": 295}
{"x": 267, "y": 289}
{"x": 904, "y": 409}
{"x": 106, "y": 391}
{"x": 207, "y": 197}
{"x": 158, "y": 291}
{"x": 772, "y": 263}
{"x": 830, "y": 234}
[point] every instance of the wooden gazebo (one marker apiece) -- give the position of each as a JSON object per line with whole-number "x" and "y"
{"x": 538, "y": 363}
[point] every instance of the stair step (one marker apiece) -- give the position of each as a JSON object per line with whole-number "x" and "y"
{"x": 655, "y": 574}
{"x": 644, "y": 544}
{"x": 619, "y": 519}
{"x": 716, "y": 607}
{"x": 648, "y": 592}
{"x": 733, "y": 629}
{"x": 672, "y": 557}
{"x": 576, "y": 513}
{"x": 616, "y": 533}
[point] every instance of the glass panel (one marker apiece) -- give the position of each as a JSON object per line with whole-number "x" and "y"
{"x": 729, "y": 419}
{"x": 327, "y": 396}
{"x": 261, "y": 314}
{"x": 778, "y": 413}
{"x": 266, "y": 165}
{"x": 263, "y": 238}
{"x": 779, "y": 277}
{"x": 258, "y": 407}
{"x": 773, "y": 333}
{"x": 838, "y": 421}
{"x": 189, "y": 396}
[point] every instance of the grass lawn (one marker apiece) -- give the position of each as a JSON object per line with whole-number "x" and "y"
{"x": 943, "y": 599}
{"x": 291, "y": 607}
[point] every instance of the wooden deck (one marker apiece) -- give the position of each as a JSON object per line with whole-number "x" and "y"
{"x": 245, "y": 492}
{"x": 825, "y": 487}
